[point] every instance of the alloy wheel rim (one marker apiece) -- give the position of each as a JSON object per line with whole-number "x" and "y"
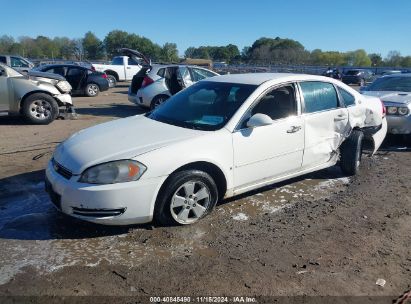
{"x": 92, "y": 90}
{"x": 190, "y": 202}
{"x": 158, "y": 102}
{"x": 40, "y": 109}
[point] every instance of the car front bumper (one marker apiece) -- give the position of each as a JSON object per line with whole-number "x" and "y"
{"x": 64, "y": 98}
{"x": 112, "y": 204}
{"x": 399, "y": 124}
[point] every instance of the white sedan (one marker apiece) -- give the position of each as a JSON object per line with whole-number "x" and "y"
{"x": 218, "y": 138}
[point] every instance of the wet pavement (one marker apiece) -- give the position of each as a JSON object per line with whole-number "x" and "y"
{"x": 34, "y": 234}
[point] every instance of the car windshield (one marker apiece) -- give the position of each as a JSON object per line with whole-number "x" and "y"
{"x": 399, "y": 84}
{"x": 352, "y": 73}
{"x": 206, "y": 105}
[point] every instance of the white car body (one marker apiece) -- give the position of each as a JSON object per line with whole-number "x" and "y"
{"x": 243, "y": 155}
{"x": 146, "y": 94}
{"x": 122, "y": 67}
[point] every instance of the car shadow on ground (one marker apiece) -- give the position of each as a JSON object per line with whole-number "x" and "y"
{"x": 112, "y": 110}
{"x": 26, "y": 213}
{"x": 12, "y": 120}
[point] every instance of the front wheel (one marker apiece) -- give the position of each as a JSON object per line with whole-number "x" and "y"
{"x": 92, "y": 90}
{"x": 350, "y": 153}
{"x": 187, "y": 197}
{"x": 40, "y": 108}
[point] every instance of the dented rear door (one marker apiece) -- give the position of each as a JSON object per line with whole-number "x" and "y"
{"x": 326, "y": 122}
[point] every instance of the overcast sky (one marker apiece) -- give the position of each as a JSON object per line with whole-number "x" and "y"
{"x": 376, "y": 26}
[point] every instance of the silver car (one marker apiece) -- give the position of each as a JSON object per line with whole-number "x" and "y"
{"x": 395, "y": 91}
{"x": 154, "y": 85}
{"x": 36, "y": 96}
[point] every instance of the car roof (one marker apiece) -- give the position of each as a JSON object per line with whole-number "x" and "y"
{"x": 63, "y": 65}
{"x": 259, "y": 78}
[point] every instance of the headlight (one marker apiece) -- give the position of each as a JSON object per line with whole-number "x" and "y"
{"x": 402, "y": 111}
{"x": 392, "y": 110}
{"x": 64, "y": 86}
{"x": 120, "y": 171}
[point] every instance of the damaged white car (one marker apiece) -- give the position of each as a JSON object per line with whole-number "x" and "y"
{"x": 218, "y": 138}
{"x": 37, "y": 97}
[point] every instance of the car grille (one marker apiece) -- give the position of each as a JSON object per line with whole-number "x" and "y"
{"x": 61, "y": 170}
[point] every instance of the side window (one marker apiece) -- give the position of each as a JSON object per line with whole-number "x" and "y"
{"x": 3, "y": 59}
{"x": 74, "y": 72}
{"x": 161, "y": 72}
{"x": 349, "y": 100}
{"x": 57, "y": 70}
{"x": 184, "y": 74}
{"x": 117, "y": 61}
{"x": 278, "y": 103}
{"x": 319, "y": 96}
{"x": 18, "y": 63}
{"x": 131, "y": 61}
{"x": 199, "y": 74}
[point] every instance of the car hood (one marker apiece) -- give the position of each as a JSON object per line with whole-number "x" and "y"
{"x": 397, "y": 97}
{"x": 38, "y": 74}
{"x": 118, "y": 139}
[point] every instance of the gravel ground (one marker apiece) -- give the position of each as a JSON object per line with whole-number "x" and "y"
{"x": 319, "y": 235}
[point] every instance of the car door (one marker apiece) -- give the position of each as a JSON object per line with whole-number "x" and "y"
{"x": 132, "y": 68}
{"x": 326, "y": 122}
{"x": 274, "y": 150}
{"x": 184, "y": 77}
{"x": 75, "y": 76}
{"x": 4, "y": 91}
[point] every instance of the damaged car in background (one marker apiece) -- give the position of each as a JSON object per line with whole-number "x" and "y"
{"x": 155, "y": 83}
{"x": 395, "y": 91}
{"x": 220, "y": 137}
{"x": 37, "y": 97}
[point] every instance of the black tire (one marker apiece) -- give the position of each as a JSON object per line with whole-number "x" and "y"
{"x": 173, "y": 187}
{"x": 112, "y": 80}
{"x": 92, "y": 90}
{"x": 350, "y": 153}
{"x": 40, "y": 109}
{"x": 158, "y": 100}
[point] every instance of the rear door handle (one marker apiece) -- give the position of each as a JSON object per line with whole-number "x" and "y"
{"x": 340, "y": 117}
{"x": 294, "y": 129}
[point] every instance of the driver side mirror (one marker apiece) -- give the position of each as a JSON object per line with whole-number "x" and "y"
{"x": 2, "y": 72}
{"x": 259, "y": 120}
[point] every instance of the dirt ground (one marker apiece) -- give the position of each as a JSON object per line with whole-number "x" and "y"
{"x": 317, "y": 236}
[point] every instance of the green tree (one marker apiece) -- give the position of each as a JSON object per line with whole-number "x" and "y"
{"x": 169, "y": 52}
{"x": 92, "y": 46}
{"x": 114, "y": 40}
{"x": 358, "y": 58}
{"x": 376, "y": 59}
{"x": 393, "y": 59}
{"x": 406, "y": 62}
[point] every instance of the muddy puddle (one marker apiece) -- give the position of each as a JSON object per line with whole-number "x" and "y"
{"x": 34, "y": 234}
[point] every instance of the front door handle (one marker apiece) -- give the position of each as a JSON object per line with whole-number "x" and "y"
{"x": 340, "y": 117}
{"x": 294, "y": 129}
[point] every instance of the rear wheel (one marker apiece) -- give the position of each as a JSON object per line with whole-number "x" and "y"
{"x": 112, "y": 80}
{"x": 40, "y": 108}
{"x": 92, "y": 90}
{"x": 187, "y": 197}
{"x": 157, "y": 101}
{"x": 350, "y": 153}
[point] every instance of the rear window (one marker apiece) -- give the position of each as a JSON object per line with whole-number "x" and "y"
{"x": 319, "y": 96}
{"x": 349, "y": 100}
{"x": 117, "y": 61}
{"x": 397, "y": 83}
{"x": 161, "y": 72}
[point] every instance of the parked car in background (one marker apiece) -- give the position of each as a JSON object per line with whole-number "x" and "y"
{"x": 220, "y": 137}
{"x": 391, "y": 72}
{"x": 150, "y": 88}
{"x": 395, "y": 91}
{"x": 122, "y": 68}
{"x": 18, "y": 63}
{"x": 37, "y": 97}
{"x": 84, "y": 81}
{"x": 357, "y": 76}
{"x": 333, "y": 73}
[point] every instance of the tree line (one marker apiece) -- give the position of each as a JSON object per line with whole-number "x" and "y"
{"x": 263, "y": 51}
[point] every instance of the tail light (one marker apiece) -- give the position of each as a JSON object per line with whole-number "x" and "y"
{"x": 146, "y": 81}
{"x": 104, "y": 76}
{"x": 384, "y": 109}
